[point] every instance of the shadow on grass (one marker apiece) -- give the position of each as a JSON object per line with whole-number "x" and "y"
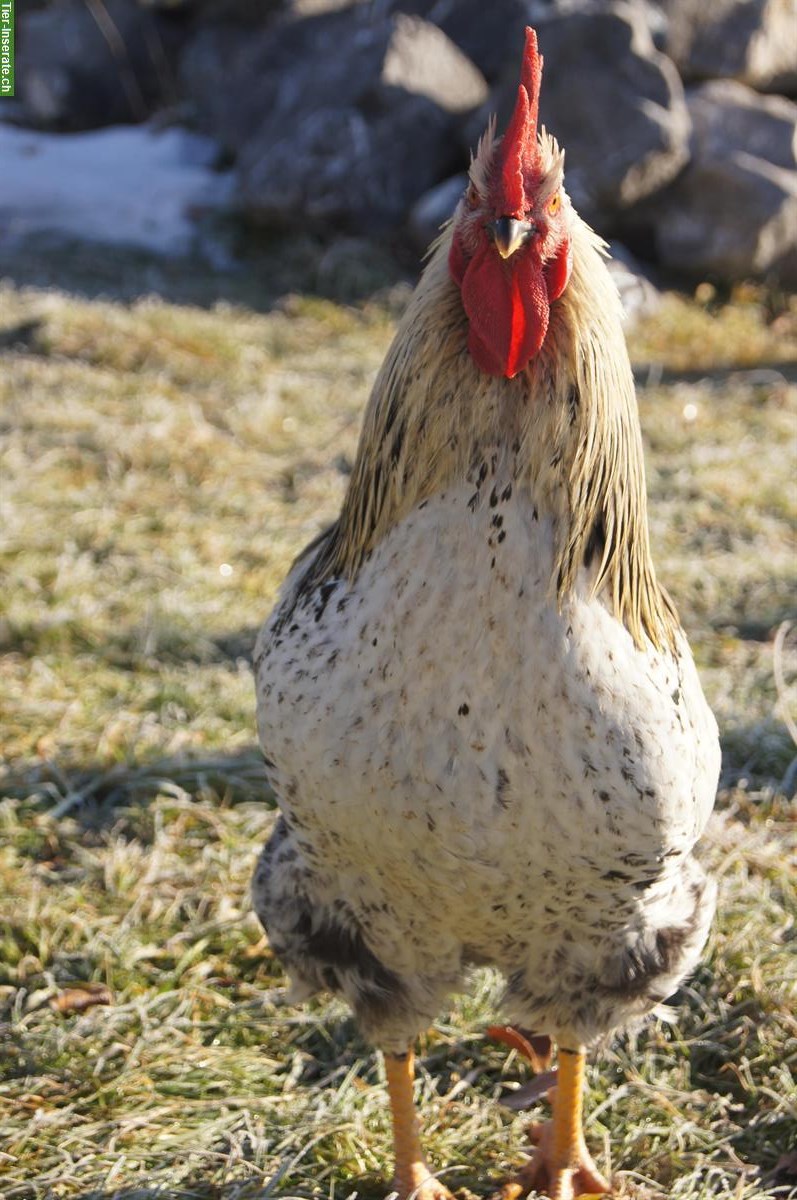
{"x": 259, "y": 270}
{"x": 22, "y": 336}
{"x": 92, "y": 793}
{"x": 131, "y": 647}
{"x": 371, "y": 1187}
{"x": 144, "y": 1192}
{"x": 765, "y": 375}
{"x": 243, "y": 1189}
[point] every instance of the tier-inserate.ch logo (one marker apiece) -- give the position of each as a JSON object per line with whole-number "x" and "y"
{"x": 6, "y": 47}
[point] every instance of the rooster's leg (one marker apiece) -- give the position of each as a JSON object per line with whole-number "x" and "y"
{"x": 413, "y": 1180}
{"x": 561, "y": 1166}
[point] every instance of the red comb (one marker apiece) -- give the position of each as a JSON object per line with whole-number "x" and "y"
{"x": 519, "y": 143}
{"x": 531, "y": 73}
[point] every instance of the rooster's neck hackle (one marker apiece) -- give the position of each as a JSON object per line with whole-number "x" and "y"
{"x": 605, "y": 478}
{"x": 569, "y": 423}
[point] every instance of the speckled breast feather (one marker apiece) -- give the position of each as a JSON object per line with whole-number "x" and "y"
{"x": 471, "y": 772}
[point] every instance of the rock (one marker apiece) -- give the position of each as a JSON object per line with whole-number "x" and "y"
{"x": 313, "y": 8}
{"x": 424, "y": 62}
{"x": 229, "y": 114}
{"x": 614, "y": 102}
{"x": 638, "y": 292}
{"x": 352, "y": 268}
{"x": 733, "y": 212}
{"x": 126, "y": 186}
{"x": 350, "y": 139}
{"x": 656, "y": 20}
{"x": 489, "y": 37}
{"x": 433, "y": 209}
{"x": 754, "y": 41}
{"x": 247, "y": 12}
{"x": 492, "y": 35}
{"x": 82, "y": 65}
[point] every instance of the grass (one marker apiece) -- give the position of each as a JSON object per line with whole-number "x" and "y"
{"x": 161, "y": 464}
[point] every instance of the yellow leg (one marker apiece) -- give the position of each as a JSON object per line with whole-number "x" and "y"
{"x": 412, "y": 1179}
{"x": 561, "y": 1166}
{"x": 568, "y": 1139}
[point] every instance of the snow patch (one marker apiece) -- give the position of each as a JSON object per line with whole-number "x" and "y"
{"x": 125, "y": 186}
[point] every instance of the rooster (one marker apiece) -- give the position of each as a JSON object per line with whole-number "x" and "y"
{"x": 479, "y": 713}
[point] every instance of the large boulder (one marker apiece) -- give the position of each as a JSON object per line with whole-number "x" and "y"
{"x": 489, "y": 34}
{"x": 492, "y": 35}
{"x": 82, "y": 65}
{"x": 431, "y": 211}
{"x": 733, "y": 212}
{"x": 247, "y": 12}
{"x": 754, "y": 41}
{"x": 324, "y": 137}
{"x": 614, "y": 102}
{"x": 313, "y": 8}
{"x": 639, "y": 294}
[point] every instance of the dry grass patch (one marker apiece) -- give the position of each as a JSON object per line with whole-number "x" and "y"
{"x": 161, "y": 464}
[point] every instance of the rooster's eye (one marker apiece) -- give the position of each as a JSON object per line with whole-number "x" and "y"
{"x": 553, "y": 204}
{"x": 471, "y": 196}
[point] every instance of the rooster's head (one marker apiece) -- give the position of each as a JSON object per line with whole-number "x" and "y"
{"x": 510, "y": 254}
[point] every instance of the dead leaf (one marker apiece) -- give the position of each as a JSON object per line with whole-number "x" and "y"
{"x": 535, "y": 1047}
{"x": 530, "y": 1092}
{"x": 80, "y": 997}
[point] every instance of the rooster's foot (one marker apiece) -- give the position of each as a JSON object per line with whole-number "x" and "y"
{"x": 581, "y": 1178}
{"x": 419, "y": 1184}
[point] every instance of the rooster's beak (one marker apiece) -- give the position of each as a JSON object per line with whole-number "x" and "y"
{"x": 509, "y": 234}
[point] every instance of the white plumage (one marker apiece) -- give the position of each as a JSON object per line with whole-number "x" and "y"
{"x": 484, "y": 778}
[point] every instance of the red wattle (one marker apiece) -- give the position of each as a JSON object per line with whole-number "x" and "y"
{"x": 507, "y": 305}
